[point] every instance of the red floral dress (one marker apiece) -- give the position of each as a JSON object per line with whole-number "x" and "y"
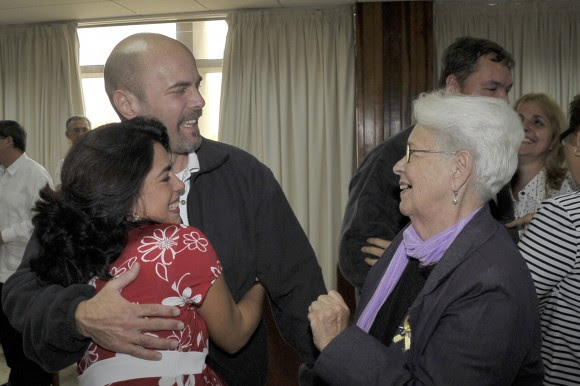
{"x": 178, "y": 266}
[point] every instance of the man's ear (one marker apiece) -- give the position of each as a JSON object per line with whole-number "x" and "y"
{"x": 452, "y": 84}
{"x": 126, "y": 103}
{"x": 10, "y": 141}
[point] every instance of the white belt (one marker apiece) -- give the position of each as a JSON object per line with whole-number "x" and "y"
{"x": 123, "y": 367}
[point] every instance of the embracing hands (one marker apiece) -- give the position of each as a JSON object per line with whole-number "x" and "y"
{"x": 118, "y": 325}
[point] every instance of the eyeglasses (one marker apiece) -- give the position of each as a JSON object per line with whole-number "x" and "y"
{"x": 566, "y": 133}
{"x": 411, "y": 151}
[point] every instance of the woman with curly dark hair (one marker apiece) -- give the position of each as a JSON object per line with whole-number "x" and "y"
{"x": 117, "y": 207}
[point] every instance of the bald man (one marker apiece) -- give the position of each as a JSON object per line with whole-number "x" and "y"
{"x": 229, "y": 195}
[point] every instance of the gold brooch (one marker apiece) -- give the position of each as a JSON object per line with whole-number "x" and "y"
{"x": 404, "y": 332}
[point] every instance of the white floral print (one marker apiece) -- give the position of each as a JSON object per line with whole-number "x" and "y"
{"x": 161, "y": 245}
{"x": 195, "y": 241}
{"x": 183, "y": 298}
{"x": 178, "y": 265}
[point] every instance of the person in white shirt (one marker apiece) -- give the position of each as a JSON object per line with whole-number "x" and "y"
{"x": 21, "y": 179}
{"x": 76, "y": 128}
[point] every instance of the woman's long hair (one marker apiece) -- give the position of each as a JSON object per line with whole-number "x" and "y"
{"x": 555, "y": 170}
{"x": 82, "y": 227}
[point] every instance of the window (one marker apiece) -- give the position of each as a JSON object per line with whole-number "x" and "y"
{"x": 206, "y": 39}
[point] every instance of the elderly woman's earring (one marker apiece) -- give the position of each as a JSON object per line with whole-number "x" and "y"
{"x": 577, "y": 152}
{"x": 455, "y": 199}
{"x": 133, "y": 217}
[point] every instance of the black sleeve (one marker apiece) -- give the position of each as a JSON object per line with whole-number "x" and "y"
{"x": 288, "y": 268}
{"x": 45, "y": 314}
{"x": 372, "y": 209}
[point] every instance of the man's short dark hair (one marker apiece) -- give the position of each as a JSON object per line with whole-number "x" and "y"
{"x": 15, "y": 131}
{"x": 460, "y": 58}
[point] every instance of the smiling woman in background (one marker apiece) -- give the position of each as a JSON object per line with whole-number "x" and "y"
{"x": 541, "y": 172}
{"x": 551, "y": 247}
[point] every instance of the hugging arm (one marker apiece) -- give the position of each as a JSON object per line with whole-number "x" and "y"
{"x": 288, "y": 268}
{"x": 230, "y": 325}
{"x": 44, "y": 314}
{"x": 58, "y": 323}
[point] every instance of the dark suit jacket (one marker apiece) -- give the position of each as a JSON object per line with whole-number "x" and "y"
{"x": 475, "y": 322}
{"x": 372, "y": 209}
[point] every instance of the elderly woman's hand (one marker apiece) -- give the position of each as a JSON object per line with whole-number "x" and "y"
{"x": 328, "y": 316}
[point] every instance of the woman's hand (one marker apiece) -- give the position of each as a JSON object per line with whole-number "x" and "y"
{"x": 376, "y": 248}
{"x": 522, "y": 222}
{"x": 328, "y": 316}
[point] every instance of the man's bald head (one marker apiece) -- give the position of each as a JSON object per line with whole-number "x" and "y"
{"x": 127, "y": 62}
{"x": 152, "y": 75}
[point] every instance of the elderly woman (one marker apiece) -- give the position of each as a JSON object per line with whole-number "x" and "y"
{"x": 541, "y": 173}
{"x": 551, "y": 249}
{"x": 451, "y": 302}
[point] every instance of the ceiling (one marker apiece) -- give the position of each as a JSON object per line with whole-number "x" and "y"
{"x": 40, "y": 11}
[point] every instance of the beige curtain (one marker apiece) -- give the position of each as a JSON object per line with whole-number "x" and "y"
{"x": 288, "y": 98}
{"x": 40, "y": 86}
{"x": 543, "y": 36}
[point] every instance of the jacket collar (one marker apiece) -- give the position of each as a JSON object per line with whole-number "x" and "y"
{"x": 480, "y": 229}
{"x": 17, "y": 164}
{"x": 475, "y": 233}
{"x": 211, "y": 155}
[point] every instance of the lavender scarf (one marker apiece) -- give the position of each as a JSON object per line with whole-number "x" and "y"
{"x": 427, "y": 252}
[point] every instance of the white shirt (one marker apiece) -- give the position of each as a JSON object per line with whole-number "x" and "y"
{"x": 185, "y": 175}
{"x": 20, "y": 184}
{"x": 536, "y": 191}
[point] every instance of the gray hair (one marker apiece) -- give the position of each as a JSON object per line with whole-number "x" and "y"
{"x": 488, "y": 128}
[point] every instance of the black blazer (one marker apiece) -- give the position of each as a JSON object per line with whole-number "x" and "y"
{"x": 475, "y": 322}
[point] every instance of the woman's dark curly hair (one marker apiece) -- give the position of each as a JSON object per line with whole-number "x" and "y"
{"x": 82, "y": 227}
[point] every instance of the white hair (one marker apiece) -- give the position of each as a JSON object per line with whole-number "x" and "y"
{"x": 488, "y": 128}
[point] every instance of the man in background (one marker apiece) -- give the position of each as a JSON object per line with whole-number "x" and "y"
{"x": 372, "y": 218}
{"x": 20, "y": 181}
{"x": 76, "y": 127}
